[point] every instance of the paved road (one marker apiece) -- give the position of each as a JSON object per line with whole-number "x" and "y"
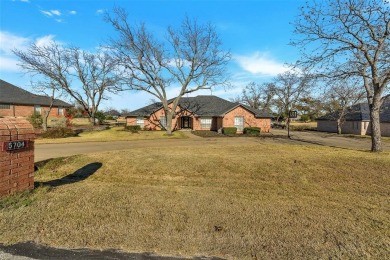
{"x": 47, "y": 151}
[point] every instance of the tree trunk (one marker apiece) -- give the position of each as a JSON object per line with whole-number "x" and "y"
{"x": 376, "y": 145}
{"x": 45, "y": 118}
{"x": 92, "y": 119}
{"x": 338, "y": 126}
{"x": 168, "y": 127}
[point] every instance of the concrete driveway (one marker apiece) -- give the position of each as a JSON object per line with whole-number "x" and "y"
{"x": 330, "y": 139}
{"x": 47, "y": 151}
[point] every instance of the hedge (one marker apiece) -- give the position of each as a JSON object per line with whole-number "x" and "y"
{"x": 252, "y": 130}
{"x": 229, "y": 130}
{"x": 59, "y": 132}
{"x": 133, "y": 128}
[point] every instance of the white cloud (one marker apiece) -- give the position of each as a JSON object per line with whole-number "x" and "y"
{"x": 72, "y": 12}
{"x": 56, "y": 12}
{"x": 45, "y": 40}
{"x": 51, "y": 13}
{"x": 99, "y": 11}
{"x": 9, "y": 41}
{"x": 260, "y": 63}
{"x": 8, "y": 64}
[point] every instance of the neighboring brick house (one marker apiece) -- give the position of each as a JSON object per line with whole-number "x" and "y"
{"x": 17, "y": 102}
{"x": 357, "y": 120}
{"x": 201, "y": 113}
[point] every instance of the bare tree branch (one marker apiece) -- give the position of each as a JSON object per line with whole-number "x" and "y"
{"x": 190, "y": 58}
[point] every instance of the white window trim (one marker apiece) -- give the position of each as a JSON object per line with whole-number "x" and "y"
{"x": 239, "y": 125}
{"x": 206, "y": 122}
{"x": 140, "y": 121}
{"x": 37, "y": 109}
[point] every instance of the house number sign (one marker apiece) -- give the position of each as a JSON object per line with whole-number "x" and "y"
{"x": 15, "y": 145}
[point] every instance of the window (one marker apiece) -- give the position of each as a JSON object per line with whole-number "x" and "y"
{"x": 239, "y": 123}
{"x": 163, "y": 121}
{"x": 5, "y": 106}
{"x": 60, "y": 111}
{"x": 140, "y": 122}
{"x": 37, "y": 109}
{"x": 205, "y": 123}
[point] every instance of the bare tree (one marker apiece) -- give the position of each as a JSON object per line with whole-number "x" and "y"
{"x": 190, "y": 59}
{"x": 97, "y": 77}
{"x": 84, "y": 76}
{"x": 341, "y": 96}
{"x": 347, "y": 38}
{"x": 51, "y": 91}
{"x": 258, "y": 96}
{"x": 288, "y": 88}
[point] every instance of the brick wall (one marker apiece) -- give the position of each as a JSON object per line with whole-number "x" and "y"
{"x": 249, "y": 119}
{"x": 16, "y": 167}
{"x": 27, "y": 110}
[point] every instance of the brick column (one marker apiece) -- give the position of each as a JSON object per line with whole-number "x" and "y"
{"x": 16, "y": 166}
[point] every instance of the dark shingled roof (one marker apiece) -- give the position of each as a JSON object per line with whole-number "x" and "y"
{"x": 200, "y": 106}
{"x": 361, "y": 112}
{"x": 11, "y": 94}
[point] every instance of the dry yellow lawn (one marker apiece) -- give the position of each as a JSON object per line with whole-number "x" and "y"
{"x": 238, "y": 201}
{"x": 309, "y": 124}
{"x": 112, "y": 134}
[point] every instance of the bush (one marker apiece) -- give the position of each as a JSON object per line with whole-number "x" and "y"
{"x": 252, "y": 131}
{"x": 229, "y": 130}
{"x": 59, "y": 132}
{"x": 100, "y": 117}
{"x": 36, "y": 120}
{"x": 133, "y": 128}
{"x": 59, "y": 122}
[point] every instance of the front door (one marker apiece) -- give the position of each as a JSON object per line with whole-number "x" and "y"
{"x": 186, "y": 122}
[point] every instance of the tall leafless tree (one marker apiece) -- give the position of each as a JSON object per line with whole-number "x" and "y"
{"x": 258, "y": 96}
{"x": 348, "y": 38}
{"x": 52, "y": 91}
{"x": 83, "y": 76}
{"x": 341, "y": 97}
{"x": 288, "y": 88}
{"x": 190, "y": 58}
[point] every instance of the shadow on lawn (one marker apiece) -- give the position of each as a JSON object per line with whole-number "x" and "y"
{"x": 79, "y": 175}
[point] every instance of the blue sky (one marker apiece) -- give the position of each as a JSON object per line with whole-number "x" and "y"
{"x": 257, "y": 33}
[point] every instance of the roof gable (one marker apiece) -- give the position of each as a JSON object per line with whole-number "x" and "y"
{"x": 11, "y": 94}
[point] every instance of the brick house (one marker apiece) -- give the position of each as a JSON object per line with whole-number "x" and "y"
{"x": 17, "y": 102}
{"x": 201, "y": 113}
{"x": 357, "y": 120}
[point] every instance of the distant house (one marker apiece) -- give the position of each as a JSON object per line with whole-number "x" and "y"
{"x": 357, "y": 120}
{"x": 201, "y": 113}
{"x": 17, "y": 102}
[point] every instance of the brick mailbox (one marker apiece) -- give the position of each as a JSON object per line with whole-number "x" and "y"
{"x": 16, "y": 155}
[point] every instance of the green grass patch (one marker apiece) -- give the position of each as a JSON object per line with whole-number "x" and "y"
{"x": 22, "y": 199}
